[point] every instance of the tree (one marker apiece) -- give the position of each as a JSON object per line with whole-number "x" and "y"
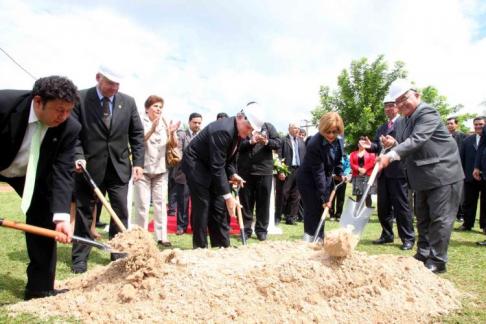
{"x": 359, "y": 97}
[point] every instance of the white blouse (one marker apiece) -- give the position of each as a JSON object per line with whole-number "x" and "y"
{"x": 155, "y": 147}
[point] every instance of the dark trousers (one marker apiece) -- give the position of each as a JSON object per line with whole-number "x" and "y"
{"x": 85, "y": 201}
{"x": 42, "y": 251}
{"x": 338, "y": 202}
{"x": 182, "y": 206}
{"x": 312, "y": 211}
{"x": 208, "y": 212}
{"x": 172, "y": 194}
{"x": 255, "y": 195}
{"x": 471, "y": 193}
{"x": 287, "y": 197}
{"x": 393, "y": 203}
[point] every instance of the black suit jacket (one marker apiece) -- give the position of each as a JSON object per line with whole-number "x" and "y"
{"x": 468, "y": 153}
{"x": 97, "y": 143}
{"x": 210, "y": 157}
{"x": 54, "y": 179}
{"x": 480, "y": 162}
{"x": 394, "y": 170}
{"x": 286, "y": 151}
{"x": 183, "y": 140}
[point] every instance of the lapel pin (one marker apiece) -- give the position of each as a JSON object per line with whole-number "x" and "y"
{"x": 54, "y": 139}
{"x": 119, "y": 106}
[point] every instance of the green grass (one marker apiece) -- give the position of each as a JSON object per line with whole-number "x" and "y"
{"x": 466, "y": 268}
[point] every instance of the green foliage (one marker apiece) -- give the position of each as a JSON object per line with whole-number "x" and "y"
{"x": 359, "y": 97}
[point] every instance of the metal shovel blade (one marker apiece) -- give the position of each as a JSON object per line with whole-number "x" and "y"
{"x": 88, "y": 242}
{"x": 356, "y": 218}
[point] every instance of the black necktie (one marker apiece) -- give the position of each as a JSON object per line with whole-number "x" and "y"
{"x": 106, "y": 111}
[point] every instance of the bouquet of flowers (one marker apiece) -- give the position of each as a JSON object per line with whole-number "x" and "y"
{"x": 279, "y": 166}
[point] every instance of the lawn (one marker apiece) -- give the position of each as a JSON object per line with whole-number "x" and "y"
{"x": 466, "y": 268}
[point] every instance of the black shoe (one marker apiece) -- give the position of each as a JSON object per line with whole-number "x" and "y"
{"x": 462, "y": 228}
{"x": 420, "y": 257}
{"x": 100, "y": 224}
{"x": 262, "y": 236}
{"x": 118, "y": 256}
{"x": 171, "y": 214}
{"x": 436, "y": 268}
{"x": 290, "y": 222}
{"x": 483, "y": 243}
{"x": 406, "y": 246}
{"x": 30, "y": 294}
{"x": 79, "y": 267}
{"x": 382, "y": 241}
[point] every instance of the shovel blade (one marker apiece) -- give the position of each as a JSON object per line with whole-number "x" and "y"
{"x": 308, "y": 238}
{"x": 357, "y": 220}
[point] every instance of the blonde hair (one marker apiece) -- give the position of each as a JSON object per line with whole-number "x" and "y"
{"x": 329, "y": 120}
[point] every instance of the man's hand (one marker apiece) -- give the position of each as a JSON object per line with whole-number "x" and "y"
{"x": 79, "y": 169}
{"x": 281, "y": 176}
{"x": 388, "y": 141}
{"x": 64, "y": 227}
{"x": 255, "y": 138}
{"x": 237, "y": 180}
{"x": 477, "y": 174}
{"x": 366, "y": 143}
{"x": 383, "y": 161}
{"x": 340, "y": 178}
{"x": 231, "y": 204}
{"x": 327, "y": 205}
{"x": 137, "y": 173}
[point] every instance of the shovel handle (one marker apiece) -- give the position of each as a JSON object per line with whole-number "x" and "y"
{"x": 240, "y": 216}
{"x": 32, "y": 229}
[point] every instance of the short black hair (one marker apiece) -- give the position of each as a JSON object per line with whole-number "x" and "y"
{"x": 56, "y": 87}
{"x": 221, "y": 115}
{"x": 302, "y": 131}
{"x": 479, "y": 118}
{"x": 452, "y": 118}
{"x": 194, "y": 115}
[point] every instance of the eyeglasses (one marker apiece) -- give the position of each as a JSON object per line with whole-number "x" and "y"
{"x": 401, "y": 101}
{"x": 334, "y": 132}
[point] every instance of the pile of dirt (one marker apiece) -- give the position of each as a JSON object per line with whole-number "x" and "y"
{"x": 270, "y": 282}
{"x": 340, "y": 242}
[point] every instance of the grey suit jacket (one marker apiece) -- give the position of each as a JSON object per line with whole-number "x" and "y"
{"x": 430, "y": 153}
{"x": 184, "y": 138}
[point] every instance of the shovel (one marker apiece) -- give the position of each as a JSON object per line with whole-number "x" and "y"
{"x": 240, "y": 216}
{"x": 102, "y": 199}
{"x": 50, "y": 233}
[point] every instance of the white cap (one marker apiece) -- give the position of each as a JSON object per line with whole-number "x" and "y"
{"x": 399, "y": 87}
{"x": 388, "y": 99}
{"x": 111, "y": 73}
{"x": 254, "y": 114}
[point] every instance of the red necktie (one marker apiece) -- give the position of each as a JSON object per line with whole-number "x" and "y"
{"x": 390, "y": 124}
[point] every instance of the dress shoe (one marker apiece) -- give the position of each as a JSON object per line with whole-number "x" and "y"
{"x": 290, "y": 222}
{"x": 31, "y": 294}
{"x": 462, "y": 228}
{"x": 100, "y": 224}
{"x": 179, "y": 232}
{"x": 262, "y": 236}
{"x": 165, "y": 243}
{"x": 483, "y": 243}
{"x": 382, "y": 241}
{"x": 406, "y": 246}
{"x": 436, "y": 268}
{"x": 171, "y": 214}
{"x": 420, "y": 257}
{"x": 118, "y": 256}
{"x": 79, "y": 267}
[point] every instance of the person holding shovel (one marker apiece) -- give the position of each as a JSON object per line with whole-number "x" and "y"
{"x": 433, "y": 169}
{"x": 322, "y": 160}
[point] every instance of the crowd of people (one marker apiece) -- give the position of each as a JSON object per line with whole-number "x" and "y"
{"x": 54, "y": 132}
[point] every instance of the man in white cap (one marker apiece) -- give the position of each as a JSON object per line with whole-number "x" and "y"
{"x": 392, "y": 185}
{"x": 110, "y": 122}
{"x": 433, "y": 170}
{"x": 209, "y": 162}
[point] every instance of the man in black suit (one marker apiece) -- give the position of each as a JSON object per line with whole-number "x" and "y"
{"x": 184, "y": 138}
{"x": 392, "y": 186}
{"x": 110, "y": 122}
{"x": 255, "y": 165}
{"x": 473, "y": 187}
{"x": 209, "y": 162}
{"x": 480, "y": 163}
{"x": 41, "y": 116}
{"x": 287, "y": 197}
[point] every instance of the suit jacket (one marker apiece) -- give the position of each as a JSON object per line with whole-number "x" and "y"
{"x": 210, "y": 157}
{"x": 430, "y": 153}
{"x": 468, "y": 151}
{"x": 55, "y": 170}
{"x": 394, "y": 170}
{"x": 184, "y": 138}
{"x": 97, "y": 143}
{"x": 286, "y": 151}
{"x": 459, "y": 137}
{"x": 480, "y": 162}
{"x": 318, "y": 166}
{"x": 369, "y": 162}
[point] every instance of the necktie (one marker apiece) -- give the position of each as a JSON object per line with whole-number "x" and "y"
{"x": 390, "y": 124}
{"x": 31, "y": 168}
{"x": 296, "y": 148}
{"x": 106, "y": 111}
{"x": 233, "y": 151}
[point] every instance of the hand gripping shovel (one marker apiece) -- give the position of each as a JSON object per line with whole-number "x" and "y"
{"x": 316, "y": 238}
{"x": 50, "y": 233}
{"x": 240, "y": 216}
{"x": 103, "y": 200}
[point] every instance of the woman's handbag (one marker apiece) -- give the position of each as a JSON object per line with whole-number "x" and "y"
{"x": 172, "y": 154}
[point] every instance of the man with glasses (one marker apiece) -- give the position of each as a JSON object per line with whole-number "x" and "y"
{"x": 433, "y": 170}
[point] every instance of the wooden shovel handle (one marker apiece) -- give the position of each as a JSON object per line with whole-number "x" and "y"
{"x": 238, "y": 212}
{"x": 110, "y": 210}
{"x": 32, "y": 229}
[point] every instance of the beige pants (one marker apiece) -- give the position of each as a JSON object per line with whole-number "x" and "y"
{"x": 155, "y": 185}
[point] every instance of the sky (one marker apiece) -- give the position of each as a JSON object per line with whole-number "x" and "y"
{"x": 216, "y": 56}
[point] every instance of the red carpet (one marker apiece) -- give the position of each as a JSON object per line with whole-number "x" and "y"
{"x": 172, "y": 224}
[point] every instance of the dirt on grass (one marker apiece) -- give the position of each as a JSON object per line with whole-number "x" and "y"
{"x": 270, "y": 282}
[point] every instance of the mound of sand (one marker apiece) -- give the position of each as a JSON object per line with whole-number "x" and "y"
{"x": 270, "y": 282}
{"x": 340, "y": 242}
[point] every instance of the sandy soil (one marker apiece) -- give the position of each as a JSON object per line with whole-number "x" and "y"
{"x": 270, "y": 282}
